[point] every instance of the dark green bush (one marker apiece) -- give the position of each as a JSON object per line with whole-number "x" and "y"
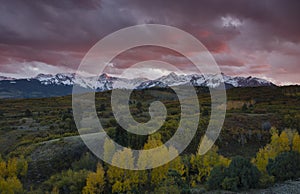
{"x": 230, "y": 183}
{"x": 216, "y": 177}
{"x": 285, "y": 166}
{"x": 240, "y": 175}
{"x": 248, "y": 175}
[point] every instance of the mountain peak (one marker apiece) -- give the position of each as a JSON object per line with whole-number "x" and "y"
{"x": 172, "y": 74}
{"x": 6, "y": 78}
{"x": 106, "y": 82}
{"x": 104, "y": 75}
{"x": 43, "y": 75}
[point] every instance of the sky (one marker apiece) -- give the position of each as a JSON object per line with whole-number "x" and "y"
{"x": 247, "y": 38}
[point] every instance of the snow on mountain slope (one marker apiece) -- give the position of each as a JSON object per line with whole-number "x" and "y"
{"x": 58, "y": 79}
{"x": 208, "y": 80}
{"x": 106, "y": 82}
{"x": 6, "y": 78}
{"x": 46, "y": 85}
{"x": 103, "y": 83}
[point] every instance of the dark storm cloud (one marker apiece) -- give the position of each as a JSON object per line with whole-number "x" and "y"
{"x": 58, "y": 24}
{"x": 56, "y": 32}
{"x": 241, "y": 34}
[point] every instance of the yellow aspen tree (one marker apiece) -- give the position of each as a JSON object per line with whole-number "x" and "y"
{"x": 12, "y": 167}
{"x": 143, "y": 161}
{"x": 270, "y": 151}
{"x": 277, "y": 145}
{"x": 55, "y": 190}
{"x": 157, "y": 157}
{"x": 3, "y": 171}
{"x": 203, "y": 164}
{"x": 223, "y": 161}
{"x": 284, "y": 143}
{"x": 109, "y": 149}
{"x": 159, "y": 173}
{"x": 118, "y": 187}
{"x": 123, "y": 180}
{"x": 95, "y": 181}
{"x": 176, "y": 164}
{"x": 156, "y": 175}
{"x": 210, "y": 160}
{"x": 290, "y": 134}
{"x": 296, "y": 143}
{"x": 9, "y": 172}
{"x": 10, "y": 185}
{"x": 262, "y": 157}
{"x": 275, "y": 139}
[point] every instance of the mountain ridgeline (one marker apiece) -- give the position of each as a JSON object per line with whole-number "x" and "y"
{"x": 47, "y": 85}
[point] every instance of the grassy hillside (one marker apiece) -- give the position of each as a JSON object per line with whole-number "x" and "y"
{"x": 43, "y": 131}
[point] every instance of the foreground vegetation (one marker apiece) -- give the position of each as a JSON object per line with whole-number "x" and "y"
{"x": 41, "y": 151}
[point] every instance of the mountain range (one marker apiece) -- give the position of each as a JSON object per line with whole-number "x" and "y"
{"x": 47, "y": 85}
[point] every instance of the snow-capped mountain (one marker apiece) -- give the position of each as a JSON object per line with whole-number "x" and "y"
{"x": 58, "y": 79}
{"x": 46, "y": 85}
{"x": 211, "y": 81}
{"x": 106, "y": 82}
{"x": 103, "y": 83}
{"x": 5, "y": 78}
{"x": 214, "y": 81}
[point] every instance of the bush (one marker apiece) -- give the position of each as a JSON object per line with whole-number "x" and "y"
{"x": 285, "y": 166}
{"x": 216, "y": 177}
{"x": 173, "y": 183}
{"x": 247, "y": 174}
{"x": 67, "y": 181}
{"x": 240, "y": 174}
{"x": 86, "y": 162}
{"x": 230, "y": 183}
{"x": 266, "y": 180}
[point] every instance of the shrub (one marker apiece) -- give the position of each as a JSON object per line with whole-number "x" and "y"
{"x": 216, "y": 177}
{"x": 285, "y": 166}
{"x": 67, "y": 181}
{"x": 86, "y": 162}
{"x": 241, "y": 174}
{"x": 230, "y": 183}
{"x": 266, "y": 180}
{"x": 247, "y": 174}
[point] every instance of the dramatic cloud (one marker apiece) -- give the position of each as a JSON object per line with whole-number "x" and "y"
{"x": 260, "y": 38}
